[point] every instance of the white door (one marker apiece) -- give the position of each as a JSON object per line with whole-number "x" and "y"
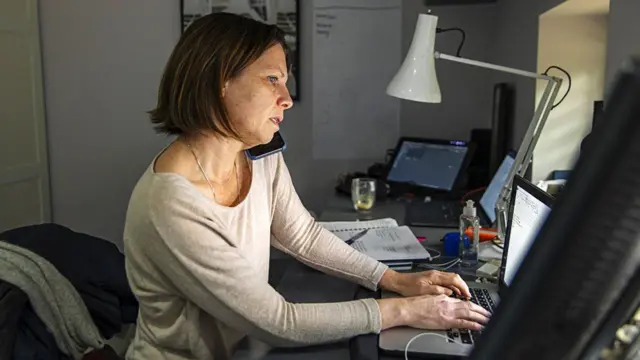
{"x": 24, "y": 174}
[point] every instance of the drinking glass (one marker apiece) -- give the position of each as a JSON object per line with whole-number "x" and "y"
{"x": 363, "y": 193}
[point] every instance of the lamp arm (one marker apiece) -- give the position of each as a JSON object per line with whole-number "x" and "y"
{"x": 439, "y": 55}
{"x": 525, "y": 152}
{"x": 544, "y": 107}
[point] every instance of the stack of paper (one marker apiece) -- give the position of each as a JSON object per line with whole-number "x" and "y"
{"x": 384, "y": 240}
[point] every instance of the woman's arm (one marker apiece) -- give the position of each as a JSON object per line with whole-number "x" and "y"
{"x": 209, "y": 271}
{"x": 297, "y": 233}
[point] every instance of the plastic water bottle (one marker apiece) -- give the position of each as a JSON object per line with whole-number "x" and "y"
{"x": 469, "y": 249}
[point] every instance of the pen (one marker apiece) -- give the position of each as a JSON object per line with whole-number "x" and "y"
{"x": 356, "y": 237}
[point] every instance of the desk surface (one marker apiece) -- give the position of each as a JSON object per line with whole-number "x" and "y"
{"x": 328, "y": 288}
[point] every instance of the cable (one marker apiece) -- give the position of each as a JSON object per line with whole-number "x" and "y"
{"x": 454, "y": 263}
{"x": 464, "y": 37}
{"x": 546, "y": 72}
{"x": 434, "y": 257}
{"x": 495, "y": 242}
{"x": 471, "y": 192}
{"x": 406, "y": 349}
{"x": 442, "y": 266}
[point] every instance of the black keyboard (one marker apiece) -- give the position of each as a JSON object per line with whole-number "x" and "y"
{"x": 434, "y": 213}
{"x": 482, "y": 298}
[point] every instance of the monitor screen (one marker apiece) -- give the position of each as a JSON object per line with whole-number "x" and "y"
{"x": 529, "y": 213}
{"x": 428, "y": 164}
{"x": 490, "y": 196}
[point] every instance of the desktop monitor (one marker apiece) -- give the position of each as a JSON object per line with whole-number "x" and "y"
{"x": 581, "y": 275}
{"x": 430, "y": 163}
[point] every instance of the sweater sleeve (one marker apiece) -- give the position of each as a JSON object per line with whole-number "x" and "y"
{"x": 204, "y": 266}
{"x": 297, "y": 233}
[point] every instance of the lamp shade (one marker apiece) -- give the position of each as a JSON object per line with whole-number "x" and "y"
{"x": 417, "y": 80}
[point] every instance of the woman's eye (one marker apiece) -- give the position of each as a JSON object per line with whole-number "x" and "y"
{"x": 272, "y": 79}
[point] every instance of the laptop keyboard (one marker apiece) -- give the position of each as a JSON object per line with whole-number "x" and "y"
{"x": 482, "y": 298}
{"x": 444, "y": 213}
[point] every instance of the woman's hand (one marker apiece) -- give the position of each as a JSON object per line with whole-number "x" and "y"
{"x": 433, "y": 312}
{"x": 431, "y": 282}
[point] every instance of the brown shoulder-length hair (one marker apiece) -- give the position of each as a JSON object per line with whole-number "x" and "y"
{"x": 213, "y": 50}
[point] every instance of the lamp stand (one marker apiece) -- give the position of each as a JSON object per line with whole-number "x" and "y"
{"x": 530, "y": 139}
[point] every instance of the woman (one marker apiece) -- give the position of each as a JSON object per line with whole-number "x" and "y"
{"x": 201, "y": 218}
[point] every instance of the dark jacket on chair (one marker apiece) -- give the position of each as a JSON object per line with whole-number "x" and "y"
{"x": 94, "y": 266}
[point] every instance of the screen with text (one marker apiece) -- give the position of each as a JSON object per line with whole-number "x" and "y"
{"x": 529, "y": 214}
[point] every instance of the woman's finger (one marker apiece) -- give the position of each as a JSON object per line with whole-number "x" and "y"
{"x": 479, "y": 309}
{"x": 468, "y": 314}
{"x": 441, "y": 290}
{"x": 456, "y": 290}
{"x": 466, "y": 324}
{"x": 438, "y": 290}
{"x": 454, "y": 281}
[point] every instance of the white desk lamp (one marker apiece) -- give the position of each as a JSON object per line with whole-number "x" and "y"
{"x": 416, "y": 80}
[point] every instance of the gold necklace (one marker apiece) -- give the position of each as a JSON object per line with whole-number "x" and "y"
{"x": 204, "y": 174}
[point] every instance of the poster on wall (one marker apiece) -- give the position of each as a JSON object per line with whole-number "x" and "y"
{"x": 283, "y": 13}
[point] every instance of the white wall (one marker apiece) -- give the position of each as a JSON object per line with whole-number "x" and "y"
{"x": 517, "y": 39}
{"x": 102, "y": 62}
{"x": 578, "y": 44}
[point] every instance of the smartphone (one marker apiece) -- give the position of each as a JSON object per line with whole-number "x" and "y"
{"x": 275, "y": 145}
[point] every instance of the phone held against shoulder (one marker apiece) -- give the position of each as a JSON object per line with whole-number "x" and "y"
{"x": 274, "y": 146}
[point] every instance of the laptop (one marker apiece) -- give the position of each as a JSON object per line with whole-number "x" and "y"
{"x": 429, "y": 165}
{"x": 528, "y": 209}
{"x": 446, "y": 213}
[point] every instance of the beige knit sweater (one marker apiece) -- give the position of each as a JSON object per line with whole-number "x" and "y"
{"x": 200, "y": 270}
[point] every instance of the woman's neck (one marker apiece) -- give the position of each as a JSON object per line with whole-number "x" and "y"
{"x": 216, "y": 155}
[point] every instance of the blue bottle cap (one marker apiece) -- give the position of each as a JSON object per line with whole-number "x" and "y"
{"x": 452, "y": 243}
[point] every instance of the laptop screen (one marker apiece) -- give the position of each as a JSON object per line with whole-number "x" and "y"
{"x": 428, "y": 164}
{"x": 490, "y": 196}
{"x": 529, "y": 212}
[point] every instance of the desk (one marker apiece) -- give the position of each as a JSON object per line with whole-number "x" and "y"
{"x": 288, "y": 276}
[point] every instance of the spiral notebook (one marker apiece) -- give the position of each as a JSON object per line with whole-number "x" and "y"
{"x": 346, "y": 229}
{"x": 384, "y": 240}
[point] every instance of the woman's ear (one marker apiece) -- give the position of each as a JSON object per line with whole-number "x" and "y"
{"x": 224, "y": 89}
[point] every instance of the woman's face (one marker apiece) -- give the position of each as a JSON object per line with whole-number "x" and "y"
{"x": 257, "y": 98}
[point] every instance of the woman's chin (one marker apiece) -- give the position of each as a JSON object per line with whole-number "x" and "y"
{"x": 259, "y": 139}
{"x": 266, "y": 137}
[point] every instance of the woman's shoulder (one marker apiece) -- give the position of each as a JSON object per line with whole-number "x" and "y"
{"x": 160, "y": 194}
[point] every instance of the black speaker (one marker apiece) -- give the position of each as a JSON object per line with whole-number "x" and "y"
{"x": 479, "y": 172}
{"x": 502, "y": 124}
